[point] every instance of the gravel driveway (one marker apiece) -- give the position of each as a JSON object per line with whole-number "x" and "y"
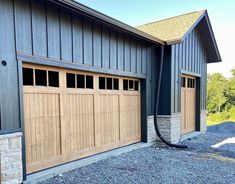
{"x": 201, "y": 163}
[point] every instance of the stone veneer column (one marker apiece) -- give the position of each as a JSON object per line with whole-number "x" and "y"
{"x": 169, "y": 126}
{"x": 203, "y": 121}
{"x": 11, "y": 158}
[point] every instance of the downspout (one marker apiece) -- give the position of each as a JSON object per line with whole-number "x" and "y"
{"x": 156, "y": 104}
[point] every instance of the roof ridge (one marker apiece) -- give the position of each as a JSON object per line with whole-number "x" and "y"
{"x": 202, "y": 11}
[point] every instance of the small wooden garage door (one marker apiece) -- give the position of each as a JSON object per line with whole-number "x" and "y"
{"x": 70, "y": 115}
{"x": 188, "y": 104}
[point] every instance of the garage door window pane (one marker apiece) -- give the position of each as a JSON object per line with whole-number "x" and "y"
{"x": 183, "y": 82}
{"x": 89, "y": 82}
{"x": 125, "y": 84}
{"x": 101, "y": 82}
{"x": 80, "y": 81}
{"x": 116, "y": 84}
{"x": 136, "y": 86}
{"x": 131, "y": 85}
{"x": 53, "y": 79}
{"x": 28, "y": 76}
{"x": 70, "y": 78}
{"x": 41, "y": 77}
{"x": 109, "y": 83}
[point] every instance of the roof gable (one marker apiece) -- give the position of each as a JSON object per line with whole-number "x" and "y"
{"x": 174, "y": 30}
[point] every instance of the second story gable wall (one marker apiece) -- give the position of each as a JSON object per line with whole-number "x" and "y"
{"x": 189, "y": 56}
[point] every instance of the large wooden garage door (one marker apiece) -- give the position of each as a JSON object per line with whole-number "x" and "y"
{"x": 188, "y": 104}
{"x": 71, "y": 115}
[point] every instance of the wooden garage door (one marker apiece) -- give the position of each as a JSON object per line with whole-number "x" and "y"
{"x": 70, "y": 115}
{"x": 188, "y": 104}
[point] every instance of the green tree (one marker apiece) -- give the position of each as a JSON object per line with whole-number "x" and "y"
{"x": 217, "y": 85}
{"x": 230, "y": 91}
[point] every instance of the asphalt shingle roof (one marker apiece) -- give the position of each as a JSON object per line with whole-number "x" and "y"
{"x": 172, "y": 30}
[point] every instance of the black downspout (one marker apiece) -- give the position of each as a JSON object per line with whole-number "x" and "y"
{"x": 156, "y": 104}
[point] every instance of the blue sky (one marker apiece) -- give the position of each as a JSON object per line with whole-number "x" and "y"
{"x": 137, "y": 12}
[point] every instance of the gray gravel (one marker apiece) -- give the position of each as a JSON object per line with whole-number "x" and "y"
{"x": 160, "y": 164}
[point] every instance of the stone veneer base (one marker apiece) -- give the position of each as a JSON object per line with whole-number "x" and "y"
{"x": 11, "y": 158}
{"x": 169, "y": 126}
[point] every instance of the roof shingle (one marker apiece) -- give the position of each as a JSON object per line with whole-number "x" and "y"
{"x": 172, "y": 30}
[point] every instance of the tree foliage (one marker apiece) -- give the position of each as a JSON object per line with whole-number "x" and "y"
{"x": 221, "y": 96}
{"x": 216, "y": 88}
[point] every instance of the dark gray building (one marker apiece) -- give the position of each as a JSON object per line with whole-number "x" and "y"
{"x": 75, "y": 82}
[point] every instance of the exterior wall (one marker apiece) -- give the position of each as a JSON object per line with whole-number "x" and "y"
{"x": 188, "y": 56}
{"x": 169, "y": 127}
{"x": 11, "y": 158}
{"x": 53, "y": 33}
{"x": 41, "y": 32}
{"x": 9, "y": 93}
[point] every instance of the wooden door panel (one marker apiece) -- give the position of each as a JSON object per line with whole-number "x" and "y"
{"x": 42, "y": 127}
{"x": 66, "y": 123}
{"x": 80, "y": 122}
{"x": 130, "y": 117}
{"x": 188, "y": 105}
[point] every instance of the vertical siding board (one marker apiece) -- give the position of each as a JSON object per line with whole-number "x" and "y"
{"x": 127, "y": 64}
{"x": 88, "y": 42}
{"x": 39, "y": 28}
{"x": 153, "y": 77}
{"x": 173, "y": 78}
{"x": 77, "y": 39}
{"x": 105, "y": 47}
{"x": 9, "y": 92}
{"x": 192, "y": 49}
{"x": 23, "y": 26}
{"x": 97, "y": 44}
{"x": 138, "y": 58}
{"x": 53, "y": 27}
{"x": 113, "y": 50}
{"x": 196, "y": 54}
{"x": 149, "y": 81}
{"x": 133, "y": 55}
{"x": 144, "y": 60}
{"x": 120, "y": 51}
{"x": 176, "y": 78}
{"x": 66, "y": 36}
{"x": 183, "y": 55}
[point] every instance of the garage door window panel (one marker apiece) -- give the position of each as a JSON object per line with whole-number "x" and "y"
{"x": 80, "y": 81}
{"x": 101, "y": 82}
{"x": 53, "y": 78}
{"x": 28, "y": 77}
{"x": 41, "y": 77}
{"x": 89, "y": 82}
{"x": 71, "y": 78}
{"x": 125, "y": 85}
{"x": 115, "y": 84}
{"x": 109, "y": 83}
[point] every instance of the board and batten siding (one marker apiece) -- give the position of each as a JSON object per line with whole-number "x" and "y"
{"x": 47, "y": 31}
{"x": 41, "y": 32}
{"x": 9, "y": 91}
{"x": 189, "y": 56}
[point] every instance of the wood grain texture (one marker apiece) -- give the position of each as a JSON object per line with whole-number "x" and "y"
{"x": 65, "y": 124}
{"x": 188, "y": 107}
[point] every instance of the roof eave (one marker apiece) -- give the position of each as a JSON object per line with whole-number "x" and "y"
{"x": 102, "y": 17}
{"x": 219, "y": 59}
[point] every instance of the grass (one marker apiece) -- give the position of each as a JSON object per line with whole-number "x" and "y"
{"x": 210, "y": 123}
{"x": 214, "y": 119}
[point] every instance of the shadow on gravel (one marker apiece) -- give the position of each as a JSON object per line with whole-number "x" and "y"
{"x": 219, "y": 139}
